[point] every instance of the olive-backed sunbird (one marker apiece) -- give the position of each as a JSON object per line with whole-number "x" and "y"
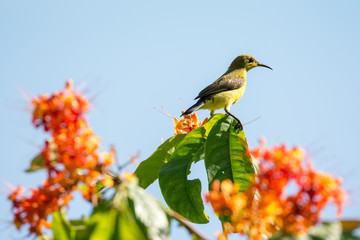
{"x": 227, "y": 89}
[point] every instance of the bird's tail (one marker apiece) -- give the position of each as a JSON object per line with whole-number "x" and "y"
{"x": 194, "y": 107}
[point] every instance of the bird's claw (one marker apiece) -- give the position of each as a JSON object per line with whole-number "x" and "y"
{"x": 239, "y": 126}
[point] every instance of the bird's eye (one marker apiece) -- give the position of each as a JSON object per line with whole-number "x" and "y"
{"x": 251, "y": 60}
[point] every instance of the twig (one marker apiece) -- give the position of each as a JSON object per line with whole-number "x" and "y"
{"x": 183, "y": 222}
{"x": 133, "y": 159}
{"x": 116, "y": 179}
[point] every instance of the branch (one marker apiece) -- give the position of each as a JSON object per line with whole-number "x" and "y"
{"x": 183, "y": 222}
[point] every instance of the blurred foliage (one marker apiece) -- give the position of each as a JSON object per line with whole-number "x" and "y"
{"x": 325, "y": 231}
{"x": 130, "y": 214}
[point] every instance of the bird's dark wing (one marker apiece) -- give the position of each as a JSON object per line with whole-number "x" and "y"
{"x": 224, "y": 83}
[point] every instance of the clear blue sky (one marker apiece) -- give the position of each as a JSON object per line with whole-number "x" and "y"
{"x": 136, "y": 55}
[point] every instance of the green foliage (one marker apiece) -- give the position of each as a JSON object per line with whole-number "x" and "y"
{"x": 227, "y": 155}
{"x": 38, "y": 162}
{"x": 99, "y": 186}
{"x": 148, "y": 170}
{"x": 62, "y": 228}
{"x": 131, "y": 214}
{"x": 150, "y": 214}
{"x": 211, "y": 122}
{"x": 80, "y": 228}
{"x": 181, "y": 194}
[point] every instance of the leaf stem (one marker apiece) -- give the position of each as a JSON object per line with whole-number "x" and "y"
{"x": 183, "y": 222}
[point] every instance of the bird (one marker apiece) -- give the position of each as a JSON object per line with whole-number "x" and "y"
{"x": 227, "y": 89}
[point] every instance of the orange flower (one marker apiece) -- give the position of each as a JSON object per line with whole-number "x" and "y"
{"x": 109, "y": 158}
{"x": 71, "y": 159}
{"x": 274, "y": 210}
{"x": 60, "y": 109}
{"x": 128, "y": 177}
{"x": 226, "y": 200}
{"x": 188, "y": 123}
{"x": 34, "y": 210}
{"x": 107, "y": 181}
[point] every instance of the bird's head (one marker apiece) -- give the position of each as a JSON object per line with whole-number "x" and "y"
{"x": 246, "y": 61}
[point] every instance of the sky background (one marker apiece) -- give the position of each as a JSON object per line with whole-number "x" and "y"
{"x": 132, "y": 56}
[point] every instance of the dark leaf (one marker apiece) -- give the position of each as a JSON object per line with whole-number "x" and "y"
{"x": 227, "y": 155}
{"x": 181, "y": 194}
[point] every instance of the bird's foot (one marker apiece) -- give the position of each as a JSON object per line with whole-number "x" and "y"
{"x": 239, "y": 126}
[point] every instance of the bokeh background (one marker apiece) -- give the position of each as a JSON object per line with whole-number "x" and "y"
{"x": 132, "y": 56}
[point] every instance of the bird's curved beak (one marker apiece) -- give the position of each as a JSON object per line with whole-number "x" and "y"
{"x": 263, "y": 65}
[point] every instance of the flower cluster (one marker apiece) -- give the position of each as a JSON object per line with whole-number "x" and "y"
{"x": 71, "y": 159}
{"x": 188, "y": 123}
{"x": 267, "y": 207}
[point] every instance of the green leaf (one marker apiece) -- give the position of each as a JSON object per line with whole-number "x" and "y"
{"x": 101, "y": 224}
{"x": 227, "y": 155}
{"x": 99, "y": 186}
{"x": 61, "y": 227}
{"x": 126, "y": 227}
{"x": 200, "y": 154}
{"x": 181, "y": 194}
{"x": 148, "y": 170}
{"x": 131, "y": 214}
{"x": 211, "y": 122}
{"x": 114, "y": 223}
{"x": 80, "y": 228}
{"x": 38, "y": 162}
{"x": 150, "y": 215}
{"x": 350, "y": 236}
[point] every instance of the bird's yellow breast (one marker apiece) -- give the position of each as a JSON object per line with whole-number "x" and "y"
{"x": 222, "y": 99}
